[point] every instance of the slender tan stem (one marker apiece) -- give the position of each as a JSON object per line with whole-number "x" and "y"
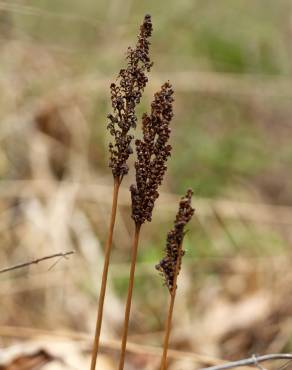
{"x": 107, "y": 254}
{"x": 167, "y": 331}
{"x": 168, "y": 323}
{"x": 129, "y": 298}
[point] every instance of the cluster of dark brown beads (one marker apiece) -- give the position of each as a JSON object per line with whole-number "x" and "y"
{"x": 125, "y": 95}
{"x": 170, "y": 265}
{"x": 152, "y": 154}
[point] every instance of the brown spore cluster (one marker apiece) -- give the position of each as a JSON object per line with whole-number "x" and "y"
{"x": 170, "y": 265}
{"x": 152, "y": 154}
{"x": 126, "y": 93}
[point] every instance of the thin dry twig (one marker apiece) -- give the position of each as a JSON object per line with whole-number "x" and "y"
{"x": 254, "y": 360}
{"x": 33, "y": 262}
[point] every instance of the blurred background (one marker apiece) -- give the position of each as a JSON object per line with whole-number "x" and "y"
{"x": 230, "y": 65}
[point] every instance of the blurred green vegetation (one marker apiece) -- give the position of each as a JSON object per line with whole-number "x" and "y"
{"x": 230, "y": 65}
{"x": 225, "y": 143}
{"x": 217, "y": 137}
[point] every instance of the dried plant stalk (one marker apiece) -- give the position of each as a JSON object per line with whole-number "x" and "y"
{"x": 170, "y": 265}
{"x": 125, "y": 95}
{"x": 152, "y": 154}
{"x": 102, "y": 293}
{"x": 130, "y": 294}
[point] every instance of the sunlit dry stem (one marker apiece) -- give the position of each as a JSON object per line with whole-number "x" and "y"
{"x": 129, "y": 298}
{"x": 107, "y": 254}
{"x": 170, "y": 313}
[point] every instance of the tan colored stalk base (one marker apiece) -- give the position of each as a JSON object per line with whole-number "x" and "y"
{"x": 163, "y": 365}
{"x": 129, "y": 298}
{"x": 107, "y": 254}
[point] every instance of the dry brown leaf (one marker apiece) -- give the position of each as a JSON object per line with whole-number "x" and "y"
{"x": 48, "y": 355}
